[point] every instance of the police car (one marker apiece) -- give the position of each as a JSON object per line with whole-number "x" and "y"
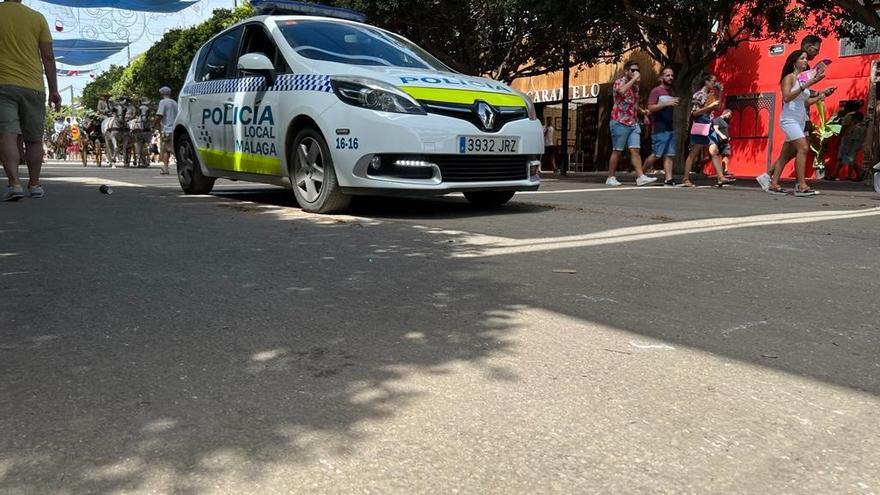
{"x": 332, "y": 107}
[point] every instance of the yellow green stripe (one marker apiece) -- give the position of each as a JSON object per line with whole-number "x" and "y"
{"x": 236, "y": 161}
{"x": 463, "y": 96}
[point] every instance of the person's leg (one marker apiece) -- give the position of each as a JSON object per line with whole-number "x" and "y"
{"x": 33, "y": 155}
{"x": 635, "y": 156}
{"x": 788, "y": 149}
{"x": 649, "y": 163}
{"x": 667, "y": 167}
{"x": 10, "y": 158}
{"x": 800, "y": 164}
{"x": 612, "y": 163}
{"x": 695, "y": 152}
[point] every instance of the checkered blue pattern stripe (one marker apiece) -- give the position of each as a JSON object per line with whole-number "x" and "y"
{"x": 284, "y": 82}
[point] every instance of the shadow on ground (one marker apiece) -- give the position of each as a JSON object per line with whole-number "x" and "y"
{"x": 236, "y": 339}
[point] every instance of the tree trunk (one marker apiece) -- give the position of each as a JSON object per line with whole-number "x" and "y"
{"x": 684, "y": 88}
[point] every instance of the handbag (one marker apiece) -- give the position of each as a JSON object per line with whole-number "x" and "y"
{"x": 700, "y": 129}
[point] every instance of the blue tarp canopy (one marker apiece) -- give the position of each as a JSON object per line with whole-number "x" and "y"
{"x": 139, "y": 5}
{"x": 85, "y": 52}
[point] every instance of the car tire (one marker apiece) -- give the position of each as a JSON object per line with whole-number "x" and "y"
{"x": 488, "y": 199}
{"x": 312, "y": 176}
{"x": 189, "y": 173}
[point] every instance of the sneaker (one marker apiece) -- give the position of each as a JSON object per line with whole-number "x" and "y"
{"x": 612, "y": 181}
{"x": 36, "y": 191}
{"x": 645, "y": 180}
{"x": 671, "y": 183}
{"x": 764, "y": 181}
{"x": 13, "y": 193}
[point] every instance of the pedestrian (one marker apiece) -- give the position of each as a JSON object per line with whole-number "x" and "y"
{"x": 166, "y": 113}
{"x": 25, "y": 55}
{"x": 625, "y": 131}
{"x": 720, "y": 141}
{"x": 796, "y": 99}
{"x": 705, "y": 100}
{"x": 549, "y": 157}
{"x": 852, "y": 137}
{"x": 154, "y": 147}
{"x": 811, "y": 44}
{"x": 661, "y": 107}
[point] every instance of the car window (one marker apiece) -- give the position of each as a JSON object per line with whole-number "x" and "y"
{"x": 218, "y": 61}
{"x": 354, "y": 44}
{"x": 257, "y": 40}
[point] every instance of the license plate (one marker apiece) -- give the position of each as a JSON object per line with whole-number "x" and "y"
{"x": 483, "y": 145}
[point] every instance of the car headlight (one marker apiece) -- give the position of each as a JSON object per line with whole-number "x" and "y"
{"x": 530, "y": 106}
{"x": 374, "y": 95}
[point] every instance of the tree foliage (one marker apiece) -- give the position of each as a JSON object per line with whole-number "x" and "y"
{"x": 850, "y": 19}
{"x": 503, "y": 39}
{"x": 163, "y": 64}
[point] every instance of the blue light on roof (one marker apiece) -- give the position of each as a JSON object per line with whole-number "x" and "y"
{"x": 292, "y": 7}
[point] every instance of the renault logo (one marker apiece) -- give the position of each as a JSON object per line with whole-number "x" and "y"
{"x": 487, "y": 115}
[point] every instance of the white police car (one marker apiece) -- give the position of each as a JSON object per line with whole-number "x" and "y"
{"x": 333, "y": 107}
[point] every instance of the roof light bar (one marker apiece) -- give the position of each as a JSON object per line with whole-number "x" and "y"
{"x": 292, "y": 7}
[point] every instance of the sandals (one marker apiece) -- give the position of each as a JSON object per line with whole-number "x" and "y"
{"x": 725, "y": 181}
{"x": 802, "y": 193}
{"x": 687, "y": 183}
{"x": 776, "y": 190}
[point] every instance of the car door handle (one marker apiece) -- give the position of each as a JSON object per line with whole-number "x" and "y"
{"x": 193, "y": 99}
{"x": 228, "y": 104}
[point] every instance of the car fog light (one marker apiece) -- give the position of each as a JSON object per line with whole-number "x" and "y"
{"x": 375, "y": 164}
{"x": 534, "y": 166}
{"x": 413, "y": 163}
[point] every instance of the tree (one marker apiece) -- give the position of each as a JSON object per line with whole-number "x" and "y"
{"x": 688, "y": 35}
{"x": 103, "y": 84}
{"x": 502, "y": 39}
{"x": 850, "y": 19}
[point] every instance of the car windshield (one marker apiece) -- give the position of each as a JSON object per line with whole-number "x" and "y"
{"x": 355, "y": 44}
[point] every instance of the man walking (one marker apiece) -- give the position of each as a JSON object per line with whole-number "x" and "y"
{"x": 166, "y": 113}
{"x": 661, "y": 103}
{"x": 25, "y": 48}
{"x": 625, "y": 132}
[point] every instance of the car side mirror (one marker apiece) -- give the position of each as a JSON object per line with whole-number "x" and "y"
{"x": 257, "y": 63}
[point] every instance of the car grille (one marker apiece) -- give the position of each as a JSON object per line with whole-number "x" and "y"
{"x": 455, "y": 168}
{"x": 466, "y": 112}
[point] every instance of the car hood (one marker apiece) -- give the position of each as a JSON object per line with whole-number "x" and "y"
{"x": 444, "y": 87}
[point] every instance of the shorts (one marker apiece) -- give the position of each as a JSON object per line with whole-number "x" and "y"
{"x": 625, "y": 136}
{"x": 793, "y": 129}
{"x": 165, "y": 145}
{"x": 663, "y": 144}
{"x": 723, "y": 147}
{"x": 22, "y": 111}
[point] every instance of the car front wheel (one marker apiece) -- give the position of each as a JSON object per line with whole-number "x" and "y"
{"x": 313, "y": 177}
{"x": 189, "y": 174}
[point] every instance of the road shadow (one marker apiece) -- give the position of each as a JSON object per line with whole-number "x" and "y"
{"x": 237, "y": 339}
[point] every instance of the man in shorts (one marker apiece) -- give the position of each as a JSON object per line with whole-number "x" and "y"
{"x": 720, "y": 139}
{"x": 625, "y": 131}
{"x": 166, "y": 113}
{"x": 661, "y": 103}
{"x": 25, "y": 55}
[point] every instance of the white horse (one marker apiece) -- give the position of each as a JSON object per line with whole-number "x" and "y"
{"x": 140, "y": 136}
{"x": 115, "y": 134}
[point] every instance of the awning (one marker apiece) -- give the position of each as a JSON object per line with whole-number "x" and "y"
{"x": 138, "y": 5}
{"x": 85, "y": 52}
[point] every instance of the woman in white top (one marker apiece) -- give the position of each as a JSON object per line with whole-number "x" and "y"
{"x": 796, "y": 101}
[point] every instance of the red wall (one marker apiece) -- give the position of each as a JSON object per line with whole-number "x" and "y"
{"x": 750, "y": 69}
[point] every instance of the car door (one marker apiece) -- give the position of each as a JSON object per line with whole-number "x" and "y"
{"x": 256, "y": 134}
{"x": 210, "y": 101}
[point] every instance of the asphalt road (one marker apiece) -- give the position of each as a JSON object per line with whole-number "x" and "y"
{"x": 579, "y": 340}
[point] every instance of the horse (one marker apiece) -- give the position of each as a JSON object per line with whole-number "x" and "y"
{"x": 115, "y": 134}
{"x": 59, "y": 142}
{"x": 140, "y": 136}
{"x": 92, "y": 139}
